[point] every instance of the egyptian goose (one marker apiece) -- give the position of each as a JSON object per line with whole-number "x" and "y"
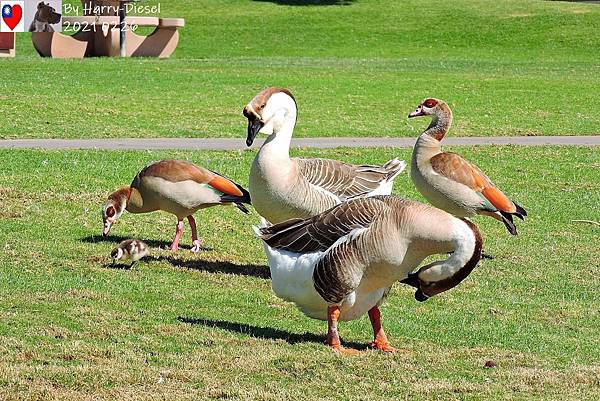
{"x": 282, "y": 187}
{"x": 450, "y": 182}
{"x": 341, "y": 264}
{"x": 131, "y": 249}
{"x": 178, "y": 187}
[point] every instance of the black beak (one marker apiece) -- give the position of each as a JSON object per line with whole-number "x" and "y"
{"x": 413, "y": 281}
{"x": 254, "y": 125}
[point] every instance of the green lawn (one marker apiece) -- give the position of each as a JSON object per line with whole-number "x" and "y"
{"x": 514, "y": 67}
{"x": 207, "y": 325}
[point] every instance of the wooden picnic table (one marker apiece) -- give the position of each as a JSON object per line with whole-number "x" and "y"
{"x": 108, "y": 34}
{"x": 7, "y": 44}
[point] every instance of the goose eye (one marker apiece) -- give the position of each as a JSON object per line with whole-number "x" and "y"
{"x": 262, "y": 106}
{"x": 430, "y": 103}
{"x": 110, "y": 212}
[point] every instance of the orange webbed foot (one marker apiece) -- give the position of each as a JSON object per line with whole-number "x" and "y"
{"x": 338, "y": 349}
{"x": 383, "y": 346}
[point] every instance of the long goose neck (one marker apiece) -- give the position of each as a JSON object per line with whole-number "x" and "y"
{"x": 135, "y": 202}
{"x": 441, "y": 276}
{"x": 277, "y": 145}
{"x": 467, "y": 254}
{"x": 440, "y": 123}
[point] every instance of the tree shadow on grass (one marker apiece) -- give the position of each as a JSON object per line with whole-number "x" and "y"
{"x": 267, "y": 333}
{"x": 309, "y": 2}
{"x": 219, "y": 266}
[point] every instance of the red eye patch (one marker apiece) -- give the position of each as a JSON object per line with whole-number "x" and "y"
{"x": 110, "y": 211}
{"x": 429, "y": 103}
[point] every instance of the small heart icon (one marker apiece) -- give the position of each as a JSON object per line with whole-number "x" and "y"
{"x": 12, "y": 15}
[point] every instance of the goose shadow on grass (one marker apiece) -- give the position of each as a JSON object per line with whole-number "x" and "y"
{"x": 218, "y": 266}
{"x": 267, "y": 333}
{"x": 116, "y": 239}
{"x": 309, "y": 2}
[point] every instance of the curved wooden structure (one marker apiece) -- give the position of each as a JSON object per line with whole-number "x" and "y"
{"x": 7, "y": 44}
{"x": 98, "y": 36}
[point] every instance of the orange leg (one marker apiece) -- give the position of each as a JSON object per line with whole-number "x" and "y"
{"x": 333, "y": 337}
{"x": 380, "y": 341}
{"x": 197, "y": 244}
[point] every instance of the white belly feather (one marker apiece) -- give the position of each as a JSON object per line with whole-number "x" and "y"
{"x": 292, "y": 280}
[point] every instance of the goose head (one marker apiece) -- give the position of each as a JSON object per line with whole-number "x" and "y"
{"x": 268, "y": 112}
{"x": 113, "y": 208}
{"x": 441, "y": 116}
{"x": 116, "y": 254}
{"x": 430, "y": 107}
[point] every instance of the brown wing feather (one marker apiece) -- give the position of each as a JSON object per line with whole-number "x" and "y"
{"x": 342, "y": 179}
{"x": 339, "y": 271}
{"x": 320, "y": 232}
{"x": 454, "y": 167}
{"x": 175, "y": 171}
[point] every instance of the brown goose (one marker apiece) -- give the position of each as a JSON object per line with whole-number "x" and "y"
{"x": 340, "y": 264}
{"x": 282, "y": 187}
{"x": 450, "y": 182}
{"x": 178, "y": 187}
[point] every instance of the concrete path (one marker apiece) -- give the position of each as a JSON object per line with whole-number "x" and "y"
{"x": 323, "y": 143}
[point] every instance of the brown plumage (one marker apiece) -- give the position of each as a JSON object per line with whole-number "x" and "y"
{"x": 131, "y": 249}
{"x": 284, "y": 187}
{"x": 449, "y": 181}
{"x": 178, "y": 187}
{"x": 341, "y": 263}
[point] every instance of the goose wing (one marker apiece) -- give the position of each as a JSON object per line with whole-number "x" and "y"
{"x": 337, "y": 233}
{"x": 456, "y": 168}
{"x": 175, "y": 171}
{"x": 320, "y": 232}
{"x": 345, "y": 180}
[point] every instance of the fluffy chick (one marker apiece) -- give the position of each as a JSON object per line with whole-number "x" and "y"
{"x": 131, "y": 249}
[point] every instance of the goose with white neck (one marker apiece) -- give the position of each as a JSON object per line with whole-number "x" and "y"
{"x": 449, "y": 181}
{"x": 282, "y": 187}
{"x": 341, "y": 264}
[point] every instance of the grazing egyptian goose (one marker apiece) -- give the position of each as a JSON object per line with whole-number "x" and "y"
{"x": 450, "y": 182}
{"x": 341, "y": 264}
{"x": 131, "y": 249}
{"x": 282, "y": 187}
{"x": 178, "y": 187}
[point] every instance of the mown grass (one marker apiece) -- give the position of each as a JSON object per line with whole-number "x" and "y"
{"x": 207, "y": 325}
{"x": 517, "y": 67}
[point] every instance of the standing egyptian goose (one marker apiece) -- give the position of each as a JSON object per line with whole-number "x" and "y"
{"x": 282, "y": 187}
{"x": 178, "y": 187}
{"x": 450, "y": 182}
{"x": 340, "y": 264}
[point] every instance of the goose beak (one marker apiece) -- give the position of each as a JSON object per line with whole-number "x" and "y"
{"x": 418, "y": 112}
{"x": 254, "y": 125}
{"x": 413, "y": 281}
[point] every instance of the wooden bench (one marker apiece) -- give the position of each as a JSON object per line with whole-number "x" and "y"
{"x": 7, "y": 44}
{"x": 100, "y": 36}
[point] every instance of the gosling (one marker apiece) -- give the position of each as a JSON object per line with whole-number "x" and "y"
{"x": 131, "y": 249}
